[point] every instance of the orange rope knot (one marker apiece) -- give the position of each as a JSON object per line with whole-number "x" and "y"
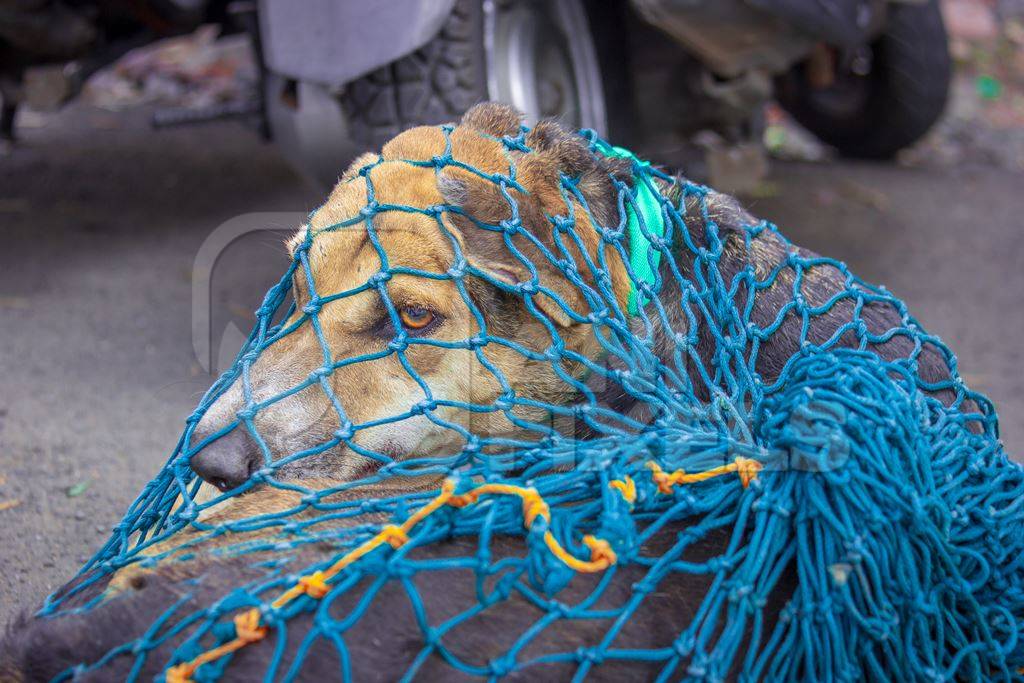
{"x": 177, "y": 674}
{"x": 247, "y": 630}
{"x": 626, "y": 486}
{"x": 533, "y": 507}
{"x": 601, "y": 554}
{"x": 395, "y": 536}
{"x": 600, "y": 550}
{"x": 663, "y": 480}
{"x": 748, "y": 469}
{"x": 315, "y": 585}
{"x": 463, "y": 499}
{"x": 247, "y": 626}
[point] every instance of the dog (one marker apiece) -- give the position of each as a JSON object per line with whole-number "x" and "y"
{"x": 362, "y": 440}
{"x": 376, "y": 389}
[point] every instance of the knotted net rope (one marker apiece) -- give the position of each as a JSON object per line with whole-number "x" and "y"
{"x": 886, "y": 494}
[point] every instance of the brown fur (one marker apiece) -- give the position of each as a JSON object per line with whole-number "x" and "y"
{"x": 342, "y": 259}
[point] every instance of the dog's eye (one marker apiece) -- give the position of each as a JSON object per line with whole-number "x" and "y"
{"x": 415, "y": 317}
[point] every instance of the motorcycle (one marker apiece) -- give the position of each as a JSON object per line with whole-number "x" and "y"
{"x": 868, "y": 77}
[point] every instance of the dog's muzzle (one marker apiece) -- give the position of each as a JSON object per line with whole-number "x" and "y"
{"x": 228, "y": 462}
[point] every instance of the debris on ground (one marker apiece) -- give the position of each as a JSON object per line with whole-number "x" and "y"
{"x": 984, "y": 119}
{"x": 9, "y": 504}
{"x": 192, "y": 71}
{"x": 78, "y": 489}
{"x": 785, "y": 139}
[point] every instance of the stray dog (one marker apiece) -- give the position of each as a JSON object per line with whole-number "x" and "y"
{"x": 380, "y": 387}
{"x": 376, "y": 389}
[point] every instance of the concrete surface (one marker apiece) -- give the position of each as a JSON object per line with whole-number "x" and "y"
{"x": 101, "y": 220}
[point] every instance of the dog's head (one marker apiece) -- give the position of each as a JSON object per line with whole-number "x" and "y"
{"x": 421, "y": 315}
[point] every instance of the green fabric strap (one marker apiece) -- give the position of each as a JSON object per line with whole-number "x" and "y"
{"x": 647, "y": 214}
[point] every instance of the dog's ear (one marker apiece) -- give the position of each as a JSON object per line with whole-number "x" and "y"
{"x": 556, "y": 152}
{"x": 492, "y": 118}
{"x": 554, "y": 155}
{"x": 481, "y": 204}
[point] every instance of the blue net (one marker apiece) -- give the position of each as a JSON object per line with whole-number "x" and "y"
{"x": 477, "y": 458}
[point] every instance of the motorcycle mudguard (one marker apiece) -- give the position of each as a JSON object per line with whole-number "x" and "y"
{"x": 331, "y": 43}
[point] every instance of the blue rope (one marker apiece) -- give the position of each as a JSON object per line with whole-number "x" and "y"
{"x": 901, "y": 515}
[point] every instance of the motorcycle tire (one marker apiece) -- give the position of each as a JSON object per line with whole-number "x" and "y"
{"x": 444, "y": 78}
{"x": 432, "y": 85}
{"x": 891, "y": 106}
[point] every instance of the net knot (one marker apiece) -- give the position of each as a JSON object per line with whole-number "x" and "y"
{"x": 314, "y": 585}
{"x": 592, "y": 655}
{"x": 246, "y": 414}
{"x": 502, "y": 666}
{"x": 148, "y": 518}
{"x": 611, "y": 235}
{"x": 682, "y": 647}
{"x": 424, "y": 406}
{"x": 663, "y": 479}
{"x": 320, "y": 373}
{"x": 394, "y": 536}
{"x": 533, "y": 507}
{"x": 181, "y": 673}
{"x": 601, "y": 552}
{"x": 461, "y": 500}
{"x": 247, "y": 626}
{"x": 625, "y": 486}
{"x": 748, "y": 469}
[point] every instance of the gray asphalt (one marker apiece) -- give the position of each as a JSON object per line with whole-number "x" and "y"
{"x": 101, "y": 221}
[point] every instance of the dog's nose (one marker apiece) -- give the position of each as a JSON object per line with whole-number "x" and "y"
{"x": 229, "y": 461}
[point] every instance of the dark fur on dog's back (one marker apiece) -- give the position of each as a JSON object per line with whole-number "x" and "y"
{"x": 386, "y": 640}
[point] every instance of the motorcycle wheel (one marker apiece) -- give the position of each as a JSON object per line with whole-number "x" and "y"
{"x": 536, "y": 55}
{"x": 892, "y": 102}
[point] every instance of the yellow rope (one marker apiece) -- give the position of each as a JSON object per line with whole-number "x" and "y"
{"x": 745, "y": 467}
{"x": 316, "y": 586}
{"x": 247, "y": 630}
{"x": 626, "y": 486}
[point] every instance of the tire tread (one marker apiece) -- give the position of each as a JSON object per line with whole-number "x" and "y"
{"x": 435, "y": 84}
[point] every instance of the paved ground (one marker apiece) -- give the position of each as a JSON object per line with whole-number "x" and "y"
{"x": 101, "y": 221}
